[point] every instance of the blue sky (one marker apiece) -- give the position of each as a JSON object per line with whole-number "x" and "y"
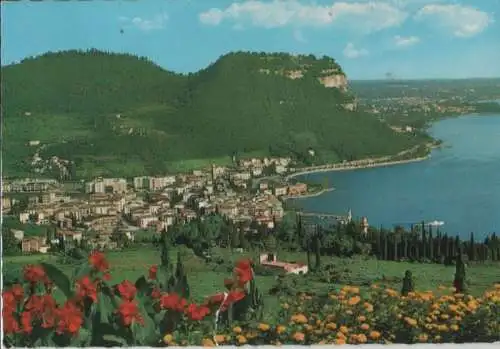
{"x": 407, "y": 38}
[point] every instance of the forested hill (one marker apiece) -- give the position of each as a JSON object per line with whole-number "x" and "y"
{"x": 124, "y": 115}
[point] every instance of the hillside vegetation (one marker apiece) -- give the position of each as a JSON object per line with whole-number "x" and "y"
{"x": 117, "y": 114}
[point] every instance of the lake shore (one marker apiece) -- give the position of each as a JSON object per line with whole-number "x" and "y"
{"x": 309, "y": 195}
{"x": 351, "y": 167}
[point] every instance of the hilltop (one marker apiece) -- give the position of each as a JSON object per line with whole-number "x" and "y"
{"x": 117, "y": 114}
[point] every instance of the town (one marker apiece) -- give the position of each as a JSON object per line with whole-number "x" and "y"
{"x": 106, "y": 210}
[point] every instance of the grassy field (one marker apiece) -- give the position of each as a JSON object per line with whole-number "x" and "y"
{"x": 204, "y": 281}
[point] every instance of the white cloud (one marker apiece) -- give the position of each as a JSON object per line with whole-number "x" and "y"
{"x": 364, "y": 16}
{"x": 462, "y": 21}
{"x": 352, "y": 52}
{"x": 402, "y": 41}
{"x": 144, "y": 24}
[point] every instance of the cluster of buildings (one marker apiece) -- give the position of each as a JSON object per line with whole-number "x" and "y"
{"x": 108, "y": 207}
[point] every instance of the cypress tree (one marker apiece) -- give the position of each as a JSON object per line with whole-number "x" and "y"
{"x": 459, "y": 281}
{"x": 424, "y": 243}
{"x": 431, "y": 245}
{"x": 472, "y": 248}
{"x": 408, "y": 284}
{"x": 385, "y": 246}
{"x": 317, "y": 248}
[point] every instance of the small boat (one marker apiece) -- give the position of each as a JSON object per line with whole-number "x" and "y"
{"x": 436, "y": 223}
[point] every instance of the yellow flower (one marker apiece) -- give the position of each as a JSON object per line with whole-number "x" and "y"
{"x": 280, "y": 329}
{"x": 220, "y": 338}
{"x": 241, "y": 339}
{"x": 375, "y": 335}
{"x": 340, "y": 341}
{"x": 285, "y": 306}
{"x": 354, "y": 300}
{"x": 344, "y": 329}
{"x": 410, "y": 321}
{"x": 361, "y": 338}
{"x": 298, "y": 336}
{"x": 365, "y": 327}
{"x": 264, "y": 327}
{"x": 168, "y": 338}
{"x": 442, "y": 328}
{"x": 391, "y": 292}
{"x": 299, "y": 319}
{"x": 445, "y": 316}
{"x": 454, "y": 327}
{"x": 331, "y": 326}
{"x": 237, "y": 329}
{"x": 497, "y": 286}
{"x": 207, "y": 342}
{"x": 422, "y": 338}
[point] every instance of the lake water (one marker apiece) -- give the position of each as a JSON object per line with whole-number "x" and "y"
{"x": 459, "y": 184}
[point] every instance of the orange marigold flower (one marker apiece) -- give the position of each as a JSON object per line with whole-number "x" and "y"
{"x": 298, "y": 336}
{"x": 280, "y": 329}
{"x": 207, "y": 342}
{"x": 237, "y": 329}
{"x": 344, "y": 329}
{"x": 263, "y": 327}
{"x": 331, "y": 326}
{"x": 375, "y": 335}
{"x": 299, "y": 319}
{"x": 354, "y": 300}
{"x": 340, "y": 341}
{"x": 220, "y": 338}
{"x": 241, "y": 339}
{"x": 423, "y": 337}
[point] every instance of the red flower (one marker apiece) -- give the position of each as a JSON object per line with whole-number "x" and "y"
{"x": 127, "y": 290}
{"x": 26, "y": 322}
{"x": 197, "y": 313}
{"x": 129, "y": 313}
{"x": 34, "y": 274}
{"x": 98, "y": 261}
{"x": 172, "y": 301}
{"x": 70, "y": 318}
{"x": 243, "y": 271}
{"x": 152, "y": 272}
{"x": 18, "y": 292}
{"x": 10, "y": 324}
{"x": 225, "y": 300}
{"x": 106, "y": 277}
{"x": 86, "y": 288}
{"x": 9, "y": 300}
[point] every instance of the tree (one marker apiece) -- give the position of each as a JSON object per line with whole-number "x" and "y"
{"x": 408, "y": 284}
{"x": 459, "y": 281}
{"x": 472, "y": 248}
{"x": 10, "y": 245}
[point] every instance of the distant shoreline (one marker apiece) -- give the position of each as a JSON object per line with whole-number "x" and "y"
{"x": 356, "y": 167}
{"x": 311, "y": 195}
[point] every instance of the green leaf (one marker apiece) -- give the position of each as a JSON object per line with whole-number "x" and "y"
{"x": 144, "y": 334}
{"x": 114, "y": 339}
{"x": 82, "y": 270}
{"x": 82, "y": 340}
{"x": 59, "y": 279}
{"x": 105, "y": 307}
{"x": 142, "y": 285}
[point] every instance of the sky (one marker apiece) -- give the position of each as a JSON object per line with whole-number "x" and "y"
{"x": 405, "y": 39}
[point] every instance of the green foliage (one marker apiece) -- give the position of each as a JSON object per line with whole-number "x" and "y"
{"x": 232, "y": 106}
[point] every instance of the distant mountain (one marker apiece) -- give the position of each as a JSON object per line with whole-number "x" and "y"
{"x": 123, "y": 115}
